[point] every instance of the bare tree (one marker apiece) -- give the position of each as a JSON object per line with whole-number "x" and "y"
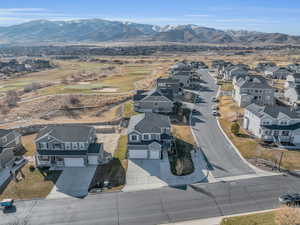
{"x": 288, "y": 216}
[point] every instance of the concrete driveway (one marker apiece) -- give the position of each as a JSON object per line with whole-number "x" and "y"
{"x": 152, "y": 174}
{"x": 73, "y": 182}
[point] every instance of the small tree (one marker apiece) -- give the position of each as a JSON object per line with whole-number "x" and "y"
{"x": 235, "y": 128}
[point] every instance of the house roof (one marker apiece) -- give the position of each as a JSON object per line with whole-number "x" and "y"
{"x": 167, "y": 80}
{"x": 280, "y": 127}
{"x": 66, "y": 133}
{"x": 148, "y": 123}
{"x": 253, "y": 81}
{"x": 273, "y": 111}
{"x": 62, "y": 152}
{"x": 4, "y": 132}
{"x": 296, "y": 75}
{"x": 153, "y": 95}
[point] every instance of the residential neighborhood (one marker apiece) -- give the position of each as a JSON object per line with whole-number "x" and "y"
{"x": 170, "y": 137}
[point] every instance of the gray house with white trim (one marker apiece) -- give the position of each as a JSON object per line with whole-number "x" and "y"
{"x": 279, "y": 124}
{"x": 149, "y": 134}
{"x": 68, "y": 146}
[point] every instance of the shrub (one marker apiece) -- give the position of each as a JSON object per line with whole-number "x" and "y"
{"x": 235, "y": 128}
{"x": 31, "y": 168}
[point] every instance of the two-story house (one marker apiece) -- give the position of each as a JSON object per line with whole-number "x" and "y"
{"x": 292, "y": 89}
{"x": 154, "y": 101}
{"x": 183, "y": 72}
{"x": 68, "y": 146}
{"x": 280, "y": 73}
{"x": 252, "y": 89}
{"x": 279, "y": 124}
{"x": 10, "y": 143}
{"x": 235, "y": 70}
{"x": 149, "y": 134}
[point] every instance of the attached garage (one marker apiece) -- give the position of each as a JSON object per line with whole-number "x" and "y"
{"x": 296, "y": 139}
{"x": 74, "y": 162}
{"x": 154, "y": 154}
{"x": 138, "y": 154}
{"x": 93, "y": 159}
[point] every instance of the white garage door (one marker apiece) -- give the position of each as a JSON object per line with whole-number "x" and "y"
{"x": 93, "y": 160}
{"x": 138, "y": 154}
{"x": 296, "y": 139}
{"x": 154, "y": 154}
{"x": 74, "y": 162}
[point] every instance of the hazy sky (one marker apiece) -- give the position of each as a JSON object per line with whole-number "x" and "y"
{"x": 261, "y": 15}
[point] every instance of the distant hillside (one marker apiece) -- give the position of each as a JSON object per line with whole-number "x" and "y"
{"x": 98, "y": 30}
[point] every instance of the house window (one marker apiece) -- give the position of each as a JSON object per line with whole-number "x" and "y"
{"x": 57, "y": 146}
{"x": 68, "y": 146}
{"x": 285, "y": 133}
{"x": 44, "y": 158}
{"x": 283, "y": 123}
{"x": 81, "y": 146}
{"x": 43, "y": 145}
{"x": 276, "y": 132}
{"x": 146, "y": 136}
{"x": 133, "y": 137}
{"x": 74, "y": 145}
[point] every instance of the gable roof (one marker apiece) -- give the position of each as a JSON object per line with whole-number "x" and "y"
{"x": 273, "y": 111}
{"x": 253, "y": 81}
{"x": 153, "y": 95}
{"x": 167, "y": 80}
{"x": 66, "y": 133}
{"x": 148, "y": 123}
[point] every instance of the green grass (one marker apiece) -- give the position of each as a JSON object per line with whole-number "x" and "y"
{"x": 121, "y": 150}
{"x": 253, "y": 219}
{"x": 129, "y": 110}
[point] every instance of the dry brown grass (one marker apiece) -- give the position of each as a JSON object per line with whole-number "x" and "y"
{"x": 29, "y": 144}
{"x": 249, "y": 147}
{"x": 35, "y": 184}
{"x": 183, "y": 132}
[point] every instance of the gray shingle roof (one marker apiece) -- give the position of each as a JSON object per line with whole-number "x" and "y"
{"x": 253, "y": 81}
{"x": 67, "y": 133}
{"x": 148, "y": 123}
{"x": 272, "y": 111}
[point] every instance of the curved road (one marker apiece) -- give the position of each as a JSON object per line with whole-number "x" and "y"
{"x": 222, "y": 158}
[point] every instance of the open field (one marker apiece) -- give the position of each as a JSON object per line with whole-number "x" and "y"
{"x": 250, "y": 147}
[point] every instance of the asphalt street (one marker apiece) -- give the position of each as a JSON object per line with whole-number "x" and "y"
{"x": 222, "y": 158}
{"x": 157, "y": 206}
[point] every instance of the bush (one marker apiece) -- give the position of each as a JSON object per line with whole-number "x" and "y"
{"x": 235, "y": 128}
{"x": 31, "y": 168}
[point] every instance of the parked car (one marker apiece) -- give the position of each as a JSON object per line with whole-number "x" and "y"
{"x": 290, "y": 199}
{"x": 215, "y": 107}
{"x": 214, "y": 99}
{"x": 7, "y": 203}
{"x": 215, "y": 113}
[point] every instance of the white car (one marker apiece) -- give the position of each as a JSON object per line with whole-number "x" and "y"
{"x": 215, "y": 107}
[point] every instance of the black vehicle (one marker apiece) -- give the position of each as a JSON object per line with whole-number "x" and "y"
{"x": 290, "y": 199}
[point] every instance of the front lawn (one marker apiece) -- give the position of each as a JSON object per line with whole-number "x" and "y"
{"x": 181, "y": 162}
{"x": 28, "y": 144}
{"x": 34, "y": 184}
{"x": 249, "y": 147}
{"x": 252, "y": 219}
